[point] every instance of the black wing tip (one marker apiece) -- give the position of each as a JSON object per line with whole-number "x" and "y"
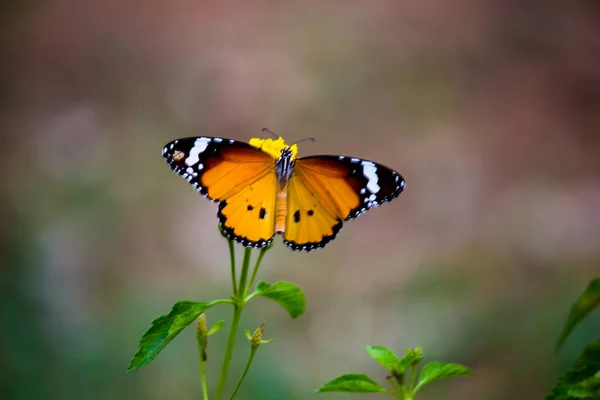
{"x": 194, "y": 183}
{"x": 374, "y": 200}
{"x": 310, "y": 246}
{"x": 398, "y": 181}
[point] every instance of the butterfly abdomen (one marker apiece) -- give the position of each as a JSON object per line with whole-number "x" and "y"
{"x": 280, "y": 210}
{"x": 283, "y": 168}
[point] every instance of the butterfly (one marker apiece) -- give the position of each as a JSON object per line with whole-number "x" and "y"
{"x": 263, "y": 188}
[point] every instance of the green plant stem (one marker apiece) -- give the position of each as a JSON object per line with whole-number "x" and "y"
{"x": 237, "y": 313}
{"x": 402, "y": 394}
{"x": 399, "y": 378}
{"x": 203, "y": 373}
{"x": 244, "y": 275}
{"x": 394, "y": 386}
{"x": 252, "y": 353}
{"x": 413, "y": 378}
{"x": 233, "y": 275}
{"x": 263, "y": 250}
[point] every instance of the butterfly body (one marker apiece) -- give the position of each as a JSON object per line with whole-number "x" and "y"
{"x": 263, "y": 188}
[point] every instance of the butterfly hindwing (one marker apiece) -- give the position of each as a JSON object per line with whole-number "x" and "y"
{"x": 308, "y": 224}
{"x": 239, "y": 176}
{"x": 249, "y": 215}
{"x": 336, "y": 189}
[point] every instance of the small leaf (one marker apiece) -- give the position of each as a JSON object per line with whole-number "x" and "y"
{"x": 384, "y": 356}
{"x": 215, "y": 328}
{"x": 288, "y": 295}
{"x": 412, "y": 357}
{"x": 589, "y": 299}
{"x": 248, "y": 334}
{"x": 165, "y": 328}
{"x": 435, "y": 371}
{"x": 582, "y": 381}
{"x": 354, "y": 383}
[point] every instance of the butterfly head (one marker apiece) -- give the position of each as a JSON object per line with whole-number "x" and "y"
{"x": 276, "y": 148}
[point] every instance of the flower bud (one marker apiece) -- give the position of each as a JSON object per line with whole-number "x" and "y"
{"x": 257, "y": 336}
{"x": 201, "y": 334}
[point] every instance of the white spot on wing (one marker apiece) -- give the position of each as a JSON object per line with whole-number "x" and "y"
{"x": 370, "y": 172}
{"x": 217, "y": 140}
{"x": 354, "y": 160}
{"x": 199, "y": 147}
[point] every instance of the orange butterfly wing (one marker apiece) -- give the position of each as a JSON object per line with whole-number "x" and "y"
{"x": 248, "y": 216}
{"x": 324, "y": 191}
{"x": 240, "y": 177}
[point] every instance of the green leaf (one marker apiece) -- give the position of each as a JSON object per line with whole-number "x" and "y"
{"x": 589, "y": 299}
{"x": 165, "y": 328}
{"x": 435, "y": 371}
{"x": 412, "y": 357}
{"x": 288, "y": 295}
{"x": 384, "y": 356}
{"x": 215, "y": 328}
{"x": 354, "y": 383}
{"x": 582, "y": 381}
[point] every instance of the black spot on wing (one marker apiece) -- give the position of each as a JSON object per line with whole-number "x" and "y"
{"x": 314, "y": 245}
{"x": 310, "y": 213}
{"x": 297, "y": 216}
{"x": 263, "y": 213}
{"x": 250, "y": 208}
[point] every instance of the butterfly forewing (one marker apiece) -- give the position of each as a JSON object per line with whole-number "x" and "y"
{"x": 239, "y": 176}
{"x": 354, "y": 184}
{"x": 217, "y": 168}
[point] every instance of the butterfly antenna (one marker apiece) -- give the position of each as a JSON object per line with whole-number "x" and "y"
{"x": 270, "y": 132}
{"x": 306, "y": 139}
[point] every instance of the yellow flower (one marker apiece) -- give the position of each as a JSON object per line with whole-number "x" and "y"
{"x": 274, "y": 147}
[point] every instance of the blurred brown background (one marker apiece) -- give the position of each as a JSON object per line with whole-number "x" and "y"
{"x": 490, "y": 110}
